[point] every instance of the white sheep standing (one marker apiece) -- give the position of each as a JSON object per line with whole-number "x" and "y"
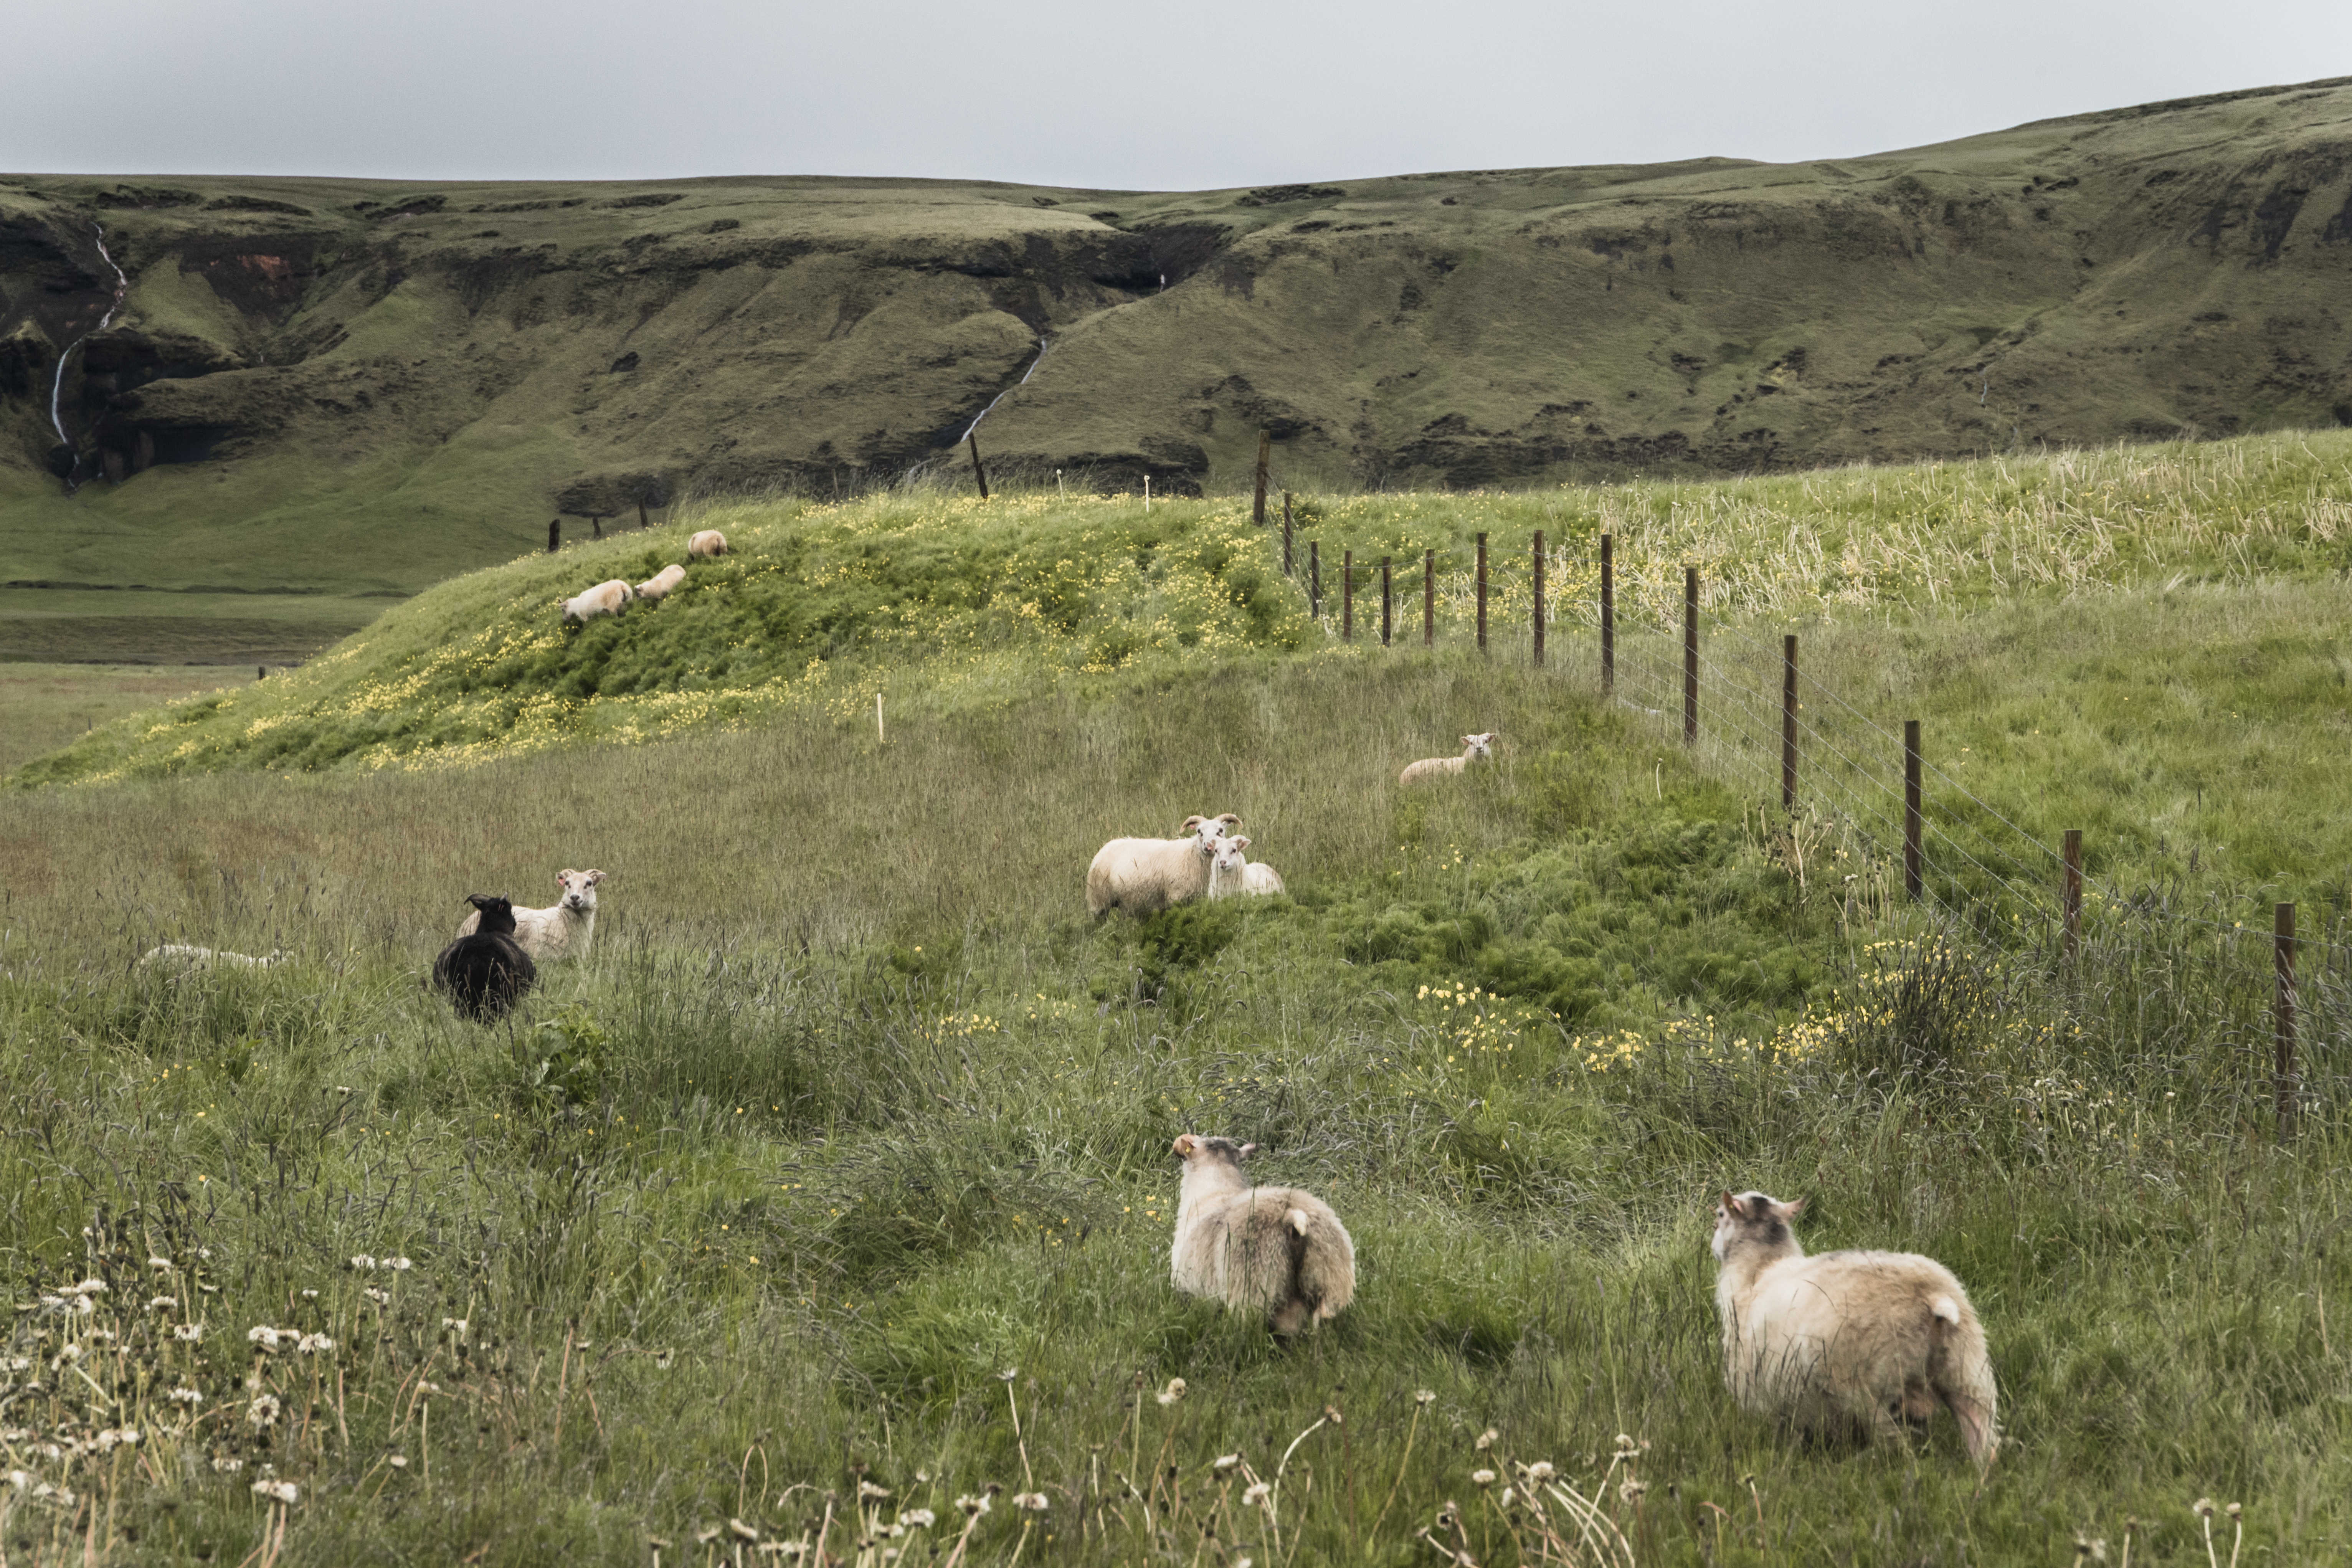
{"x": 1847, "y": 1341}
{"x": 710, "y": 542}
{"x": 558, "y": 932}
{"x": 1143, "y": 876}
{"x": 1274, "y": 1250}
{"x": 180, "y": 957}
{"x": 1229, "y": 873}
{"x": 1474, "y": 748}
{"x": 655, "y": 588}
{"x": 606, "y": 598}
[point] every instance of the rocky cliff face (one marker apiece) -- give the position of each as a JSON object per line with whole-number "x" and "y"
{"x": 362, "y": 359}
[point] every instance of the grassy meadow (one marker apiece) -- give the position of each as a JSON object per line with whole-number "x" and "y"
{"x": 833, "y": 1190}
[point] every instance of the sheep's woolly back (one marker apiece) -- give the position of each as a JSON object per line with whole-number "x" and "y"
{"x": 655, "y": 588}
{"x": 1857, "y": 1340}
{"x": 561, "y": 932}
{"x": 180, "y": 957}
{"x": 1145, "y": 875}
{"x": 710, "y": 542}
{"x": 606, "y": 598}
{"x": 1276, "y": 1250}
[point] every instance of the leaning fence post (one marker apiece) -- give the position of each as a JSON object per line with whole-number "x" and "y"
{"x": 1387, "y": 599}
{"x": 1482, "y": 593}
{"x": 1314, "y": 579}
{"x": 554, "y": 535}
{"x": 1690, "y": 655}
{"x": 1911, "y": 876}
{"x": 971, "y": 439}
{"x": 1789, "y": 723}
{"x": 1429, "y": 599}
{"x": 1257, "y": 507}
{"x": 1347, "y": 596}
{"x": 1285, "y": 533}
{"x": 1538, "y": 598}
{"x": 1607, "y": 616}
{"x": 2283, "y": 1088}
{"x": 2070, "y": 899}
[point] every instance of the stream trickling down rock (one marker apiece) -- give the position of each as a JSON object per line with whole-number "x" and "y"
{"x": 58, "y": 387}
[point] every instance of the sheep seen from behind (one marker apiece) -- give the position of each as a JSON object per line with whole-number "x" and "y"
{"x": 1274, "y": 1250}
{"x": 710, "y": 542}
{"x": 1855, "y": 1342}
{"x": 484, "y": 973}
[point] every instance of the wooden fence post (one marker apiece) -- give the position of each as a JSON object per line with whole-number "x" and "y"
{"x": 1347, "y": 596}
{"x": 1690, "y": 655}
{"x": 1387, "y": 601}
{"x": 1911, "y": 880}
{"x": 554, "y": 535}
{"x": 1789, "y": 723}
{"x": 641, "y": 523}
{"x": 1285, "y": 533}
{"x": 1429, "y": 599}
{"x": 1314, "y": 579}
{"x": 2285, "y": 1090}
{"x": 1482, "y": 593}
{"x": 2069, "y": 901}
{"x": 971, "y": 439}
{"x": 1539, "y": 613}
{"x": 1607, "y": 616}
{"x": 1257, "y": 506}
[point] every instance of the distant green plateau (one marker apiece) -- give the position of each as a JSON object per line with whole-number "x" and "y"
{"x": 353, "y": 389}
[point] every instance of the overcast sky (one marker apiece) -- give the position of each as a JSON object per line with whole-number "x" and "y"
{"x": 1219, "y": 93}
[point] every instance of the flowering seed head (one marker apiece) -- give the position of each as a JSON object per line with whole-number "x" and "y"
{"x": 1487, "y": 1440}
{"x": 1226, "y": 1462}
{"x": 1256, "y": 1494}
{"x": 1482, "y": 1480}
{"x": 1034, "y": 1501}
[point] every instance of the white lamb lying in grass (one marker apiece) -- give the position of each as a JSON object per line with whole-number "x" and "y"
{"x": 1474, "y": 748}
{"x": 180, "y": 957}
{"x": 1852, "y": 1341}
{"x": 1274, "y": 1250}
{"x": 1230, "y": 873}
{"x": 564, "y": 930}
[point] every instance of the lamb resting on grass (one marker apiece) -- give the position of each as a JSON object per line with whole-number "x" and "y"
{"x": 1274, "y": 1250}
{"x": 483, "y": 972}
{"x": 1848, "y": 1341}
{"x": 180, "y": 957}
{"x": 1143, "y": 876}
{"x": 1230, "y": 873}
{"x": 558, "y": 932}
{"x": 1474, "y": 748}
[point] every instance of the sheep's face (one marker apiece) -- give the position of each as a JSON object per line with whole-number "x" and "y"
{"x": 1752, "y": 1218}
{"x": 1194, "y": 1148}
{"x": 579, "y": 890}
{"x": 1479, "y": 745}
{"x": 1209, "y": 827}
{"x": 1225, "y": 855}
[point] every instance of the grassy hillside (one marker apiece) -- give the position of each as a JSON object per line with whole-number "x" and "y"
{"x": 349, "y": 387}
{"x": 834, "y": 1189}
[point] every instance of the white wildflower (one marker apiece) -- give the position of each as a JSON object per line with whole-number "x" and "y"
{"x": 276, "y": 1491}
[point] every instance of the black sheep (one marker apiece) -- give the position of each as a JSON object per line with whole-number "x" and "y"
{"x": 484, "y": 972}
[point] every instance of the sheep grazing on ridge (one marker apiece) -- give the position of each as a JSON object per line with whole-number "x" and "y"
{"x": 606, "y": 598}
{"x": 560, "y": 932}
{"x": 710, "y": 542}
{"x": 655, "y": 588}
{"x": 1474, "y": 748}
{"x": 1274, "y": 1250}
{"x": 1230, "y": 873}
{"x": 1143, "y": 876}
{"x": 1852, "y": 1342}
{"x": 180, "y": 957}
{"x": 484, "y": 973}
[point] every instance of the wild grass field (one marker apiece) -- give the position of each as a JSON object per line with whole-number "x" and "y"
{"x": 833, "y": 1190}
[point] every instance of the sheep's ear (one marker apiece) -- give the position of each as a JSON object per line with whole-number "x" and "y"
{"x": 1185, "y": 1145}
{"x": 1731, "y": 1205}
{"x": 1246, "y": 1151}
{"x": 593, "y": 877}
{"x": 1228, "y": 818}
{"x": 1240, "y": 843}
{"x": 1793, "y": 1209}
{"x": 1192, "y": 825}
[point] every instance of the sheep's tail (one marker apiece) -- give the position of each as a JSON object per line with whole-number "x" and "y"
{"x": 1959, "y": 1369}
{"x": 1322, "y": 1264}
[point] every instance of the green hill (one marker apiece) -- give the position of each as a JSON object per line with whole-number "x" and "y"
{"x": 329, "y": 388}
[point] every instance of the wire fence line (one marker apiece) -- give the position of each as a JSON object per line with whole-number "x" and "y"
{"x": 1979, "y": 869}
